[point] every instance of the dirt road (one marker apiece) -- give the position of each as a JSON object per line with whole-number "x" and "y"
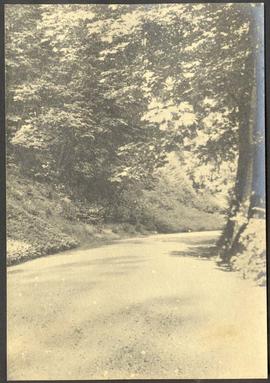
{"x": 140, "y": 308}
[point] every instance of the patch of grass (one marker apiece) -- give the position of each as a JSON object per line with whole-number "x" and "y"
{"x": 43, "y": 220}
{"x": 33, "y": 214}
{"x": 250, "y": 261}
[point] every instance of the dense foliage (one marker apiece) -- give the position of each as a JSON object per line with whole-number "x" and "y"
{"x": 98, "y": 96}
{"x": 101, "y": 94}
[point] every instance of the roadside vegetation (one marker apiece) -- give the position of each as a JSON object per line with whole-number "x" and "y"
{"x": 135, "y": 119}
{"x": 42, "y": 219}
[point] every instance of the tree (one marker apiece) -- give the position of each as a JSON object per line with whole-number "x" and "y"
{"x": 249, "y": 193}
{"x": 105, "y": 93}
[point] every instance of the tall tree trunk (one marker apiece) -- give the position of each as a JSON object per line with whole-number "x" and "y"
{"x": 249, "y": 187}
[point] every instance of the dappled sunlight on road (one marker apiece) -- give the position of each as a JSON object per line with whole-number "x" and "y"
{"x": 152, "y": 307}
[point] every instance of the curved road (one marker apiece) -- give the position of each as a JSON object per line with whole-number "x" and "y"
{"x": 139, "y": 308}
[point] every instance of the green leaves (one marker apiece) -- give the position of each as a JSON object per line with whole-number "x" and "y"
{"x": 105, "y": 92}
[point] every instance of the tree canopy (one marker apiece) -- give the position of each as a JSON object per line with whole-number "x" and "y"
{"x": 100, "y": 94}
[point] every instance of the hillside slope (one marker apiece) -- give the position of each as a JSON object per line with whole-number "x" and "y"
{"x": 42, "y": 219}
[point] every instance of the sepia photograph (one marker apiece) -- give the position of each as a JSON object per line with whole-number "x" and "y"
{"x": 135, "y": 191}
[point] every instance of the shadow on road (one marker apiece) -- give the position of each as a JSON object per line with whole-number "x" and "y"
{"x": 207, "y": 250}
{"x": 202, "y": 252}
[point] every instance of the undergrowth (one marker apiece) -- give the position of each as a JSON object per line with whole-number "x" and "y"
{"x": 250, "y": 261}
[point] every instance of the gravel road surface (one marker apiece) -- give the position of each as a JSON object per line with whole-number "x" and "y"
{"x": 140, "y": 308}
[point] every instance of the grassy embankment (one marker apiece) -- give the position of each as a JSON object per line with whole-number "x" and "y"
{"x": 42, "y": 220}
{"x": 250, "y": 260}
